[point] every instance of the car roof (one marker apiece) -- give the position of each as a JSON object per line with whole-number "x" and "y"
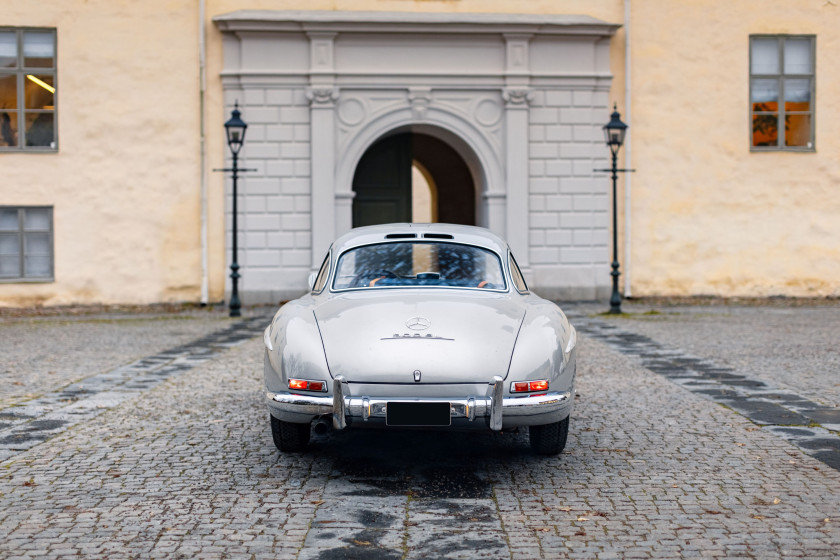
{"x": 470, "y": 235}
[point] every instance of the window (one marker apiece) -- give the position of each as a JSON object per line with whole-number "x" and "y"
{"x": 516, "y": 275}
{"x": 782, "y": 92}
{"x": 323, "y": 274}
{"x": 26, "y": 243}
{"x": 27, "y": 90}
{"x": 419, "y": 264}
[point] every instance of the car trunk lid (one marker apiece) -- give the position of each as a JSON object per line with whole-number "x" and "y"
{"x": 450, "y": 337}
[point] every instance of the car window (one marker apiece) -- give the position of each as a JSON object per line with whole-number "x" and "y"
{"x": 321, "y": 280}
{"x": 516, "y": 276}
{"x": 415, "y": 263}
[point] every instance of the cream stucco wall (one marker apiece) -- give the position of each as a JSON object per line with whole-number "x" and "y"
{"x": 124, "y": 183}
{"x": 709, "y": 216}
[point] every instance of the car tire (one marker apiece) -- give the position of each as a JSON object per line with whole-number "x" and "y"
{"x": 549, "y": 439}
{"x": 289, "y": 436}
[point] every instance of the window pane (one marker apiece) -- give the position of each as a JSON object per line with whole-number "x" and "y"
{"x": 765, "y": 130}
{"x": 39, "y": 129}
{"x": 764, "y": 56}
{"x": 39, "y": 91}
{"x": 798, "y": 130}
{"x": 765, "y": 95}
{"x": 9, "y": 244}
{"x": 407, "y": 264}
{"x": 9, "y": 219}
{"x": 38, "y": 49}
{"x": 36, "y": 267}
{"x": 8, "y": 91}
{"x": 797, "y": 56}
{"x": 36, "y": 244}
{"x": 36, "y": 219}
{"x": 9, "y": 266}
{"x": 9, "y": 128}
{"x": 8, "y": 49}
{"x": 797, "y": 95}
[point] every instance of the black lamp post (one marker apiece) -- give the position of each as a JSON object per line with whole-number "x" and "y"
{"x": 614, "y": 132}
{"x": 235, "y": 130}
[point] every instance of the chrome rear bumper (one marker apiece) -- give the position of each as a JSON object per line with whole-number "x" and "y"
{"x": 499, "y": 411}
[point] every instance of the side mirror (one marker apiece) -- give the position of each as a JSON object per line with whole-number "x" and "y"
{"x": 311, "y": 280}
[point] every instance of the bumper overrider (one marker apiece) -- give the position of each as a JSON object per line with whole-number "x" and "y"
{"x": 496, "y": 410}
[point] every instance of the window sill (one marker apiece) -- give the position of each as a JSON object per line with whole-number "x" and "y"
{"x": 27, "y": 280}
{"x": 757, "y": 150}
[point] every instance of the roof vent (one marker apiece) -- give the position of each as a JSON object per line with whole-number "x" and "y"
{"x": 437, "y": 236}
{"x": 401, "y": 236}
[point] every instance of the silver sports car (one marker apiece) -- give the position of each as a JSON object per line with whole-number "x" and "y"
{"x": 424, "y": 326}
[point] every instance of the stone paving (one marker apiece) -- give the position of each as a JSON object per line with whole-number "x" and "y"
{"x": 186, "y": 469}
{"x": 39, "y": 355}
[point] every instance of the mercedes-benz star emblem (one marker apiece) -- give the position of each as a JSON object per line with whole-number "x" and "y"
{"x": 418, "y": 323}
{"x": 417, "y": 376}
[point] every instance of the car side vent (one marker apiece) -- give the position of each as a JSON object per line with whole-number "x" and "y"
{"x": 401, "y": 236}
{"x": 437, "y": 236}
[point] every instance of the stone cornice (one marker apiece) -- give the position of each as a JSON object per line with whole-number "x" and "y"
{"x": 386, "y": 22}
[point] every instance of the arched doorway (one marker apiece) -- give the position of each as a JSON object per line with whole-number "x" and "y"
{"x": 413, "y": 177}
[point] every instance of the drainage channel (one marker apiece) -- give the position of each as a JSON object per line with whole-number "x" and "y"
{"x": 809, "y": 425}
{"x": 25, "y": 426}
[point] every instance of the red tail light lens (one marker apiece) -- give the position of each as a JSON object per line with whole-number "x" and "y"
{"x": 298, "y": 384}
{"x": 520, "y": 387}
{"x": 316, "y": 385}
{"x": 538, "y": 386}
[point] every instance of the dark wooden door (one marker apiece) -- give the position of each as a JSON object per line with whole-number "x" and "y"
{"x": 382, "y": 183}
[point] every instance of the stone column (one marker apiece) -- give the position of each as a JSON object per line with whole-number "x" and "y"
{"x": 517, "y": 95}
{"x": 322, "y": 95}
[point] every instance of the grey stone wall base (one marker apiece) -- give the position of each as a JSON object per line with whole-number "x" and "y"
{"x": 262, "y": 297}
{"x": 573, "y": 293}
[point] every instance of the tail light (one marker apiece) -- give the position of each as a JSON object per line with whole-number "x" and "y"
{"x": 307, "y": 385}
{"x": 529, "y": 386}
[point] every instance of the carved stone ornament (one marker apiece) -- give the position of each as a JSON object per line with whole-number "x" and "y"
{"x": 517, "y": 96}
{"x": 322, "y": 95}
{"x": 420, "y": 98}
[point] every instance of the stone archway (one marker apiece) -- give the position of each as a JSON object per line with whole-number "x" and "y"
{"x": 385, "y": 190}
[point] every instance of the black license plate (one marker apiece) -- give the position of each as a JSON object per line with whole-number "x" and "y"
{"x": 417, "y": 414}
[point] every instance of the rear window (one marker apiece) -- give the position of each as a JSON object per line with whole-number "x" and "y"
{"x": 407, "y": 264}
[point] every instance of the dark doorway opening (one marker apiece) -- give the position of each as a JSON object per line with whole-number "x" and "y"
{"x": 413, "y": 177}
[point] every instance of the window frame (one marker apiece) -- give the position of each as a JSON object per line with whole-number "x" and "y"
{"x": 20, "y": 71}
{"x": 780, "y": 79}
{"x": 21, "y": 231}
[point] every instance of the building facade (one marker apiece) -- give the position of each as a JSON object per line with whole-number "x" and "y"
{"x": 112, "y": 128}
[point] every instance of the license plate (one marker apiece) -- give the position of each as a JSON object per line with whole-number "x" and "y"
{"x": 417, "y": 414}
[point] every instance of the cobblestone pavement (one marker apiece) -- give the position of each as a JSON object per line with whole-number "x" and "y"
{"x": 39, "y": 355}
{"x": 186, "y": 468}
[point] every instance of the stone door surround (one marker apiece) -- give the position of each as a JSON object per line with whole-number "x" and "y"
{"x": 471, "y": 80}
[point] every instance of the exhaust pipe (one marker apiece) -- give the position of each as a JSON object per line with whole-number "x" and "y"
{"x": 321, "y": 426}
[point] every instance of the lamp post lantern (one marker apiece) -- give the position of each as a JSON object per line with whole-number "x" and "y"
{"x": 235, "y": 130}
{"x": 614, "y": 132}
